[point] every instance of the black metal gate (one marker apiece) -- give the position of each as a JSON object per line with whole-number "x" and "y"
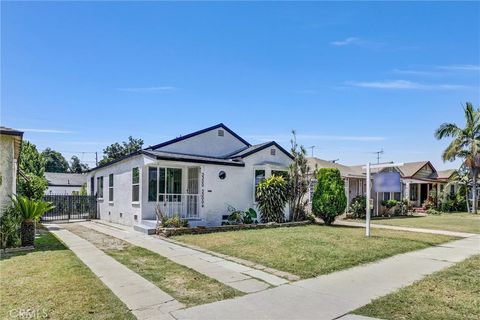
{"x": 69, "y": 207}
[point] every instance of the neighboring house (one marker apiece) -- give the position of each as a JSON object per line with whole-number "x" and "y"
{"x": 10, "y": 145}
{"x": 64, "y": 183}
{"x": 197, "y": 176}
{"x": 418, "y": 179}
{"x": 355, "y": 181}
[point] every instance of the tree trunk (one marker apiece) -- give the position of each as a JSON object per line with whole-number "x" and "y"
{"x": 474, "y": 191}
{"x": 27, "y": 231}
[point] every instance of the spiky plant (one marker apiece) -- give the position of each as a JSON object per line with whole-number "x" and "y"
{"x": 272, "y": 198}
{"x": 30, "y": 211}
{"x": 465, "y": 144}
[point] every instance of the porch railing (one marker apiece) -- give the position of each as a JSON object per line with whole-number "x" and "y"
{"x": 184, "y": 205}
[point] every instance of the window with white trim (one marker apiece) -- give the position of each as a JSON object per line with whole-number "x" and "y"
{"x": 110, "y": 187}
{"x": 100, "y": 187}
{"x": 164, "y": 184}
{"x": 259, "y": 176}
{"x": 135, "y": 184}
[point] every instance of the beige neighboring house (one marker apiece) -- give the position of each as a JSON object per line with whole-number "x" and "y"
{"x": 64, "y": 183}
{"x": 418, "y": 180}
{"x": 10, "y": 145}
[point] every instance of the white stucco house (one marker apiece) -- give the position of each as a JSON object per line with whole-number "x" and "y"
{"x": 64, "y": 183}
{"x": 10, "y": 145}
{"x": 196, "y": 176}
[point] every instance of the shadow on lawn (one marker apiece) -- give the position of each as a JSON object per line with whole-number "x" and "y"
{"x": 44, "y": 241}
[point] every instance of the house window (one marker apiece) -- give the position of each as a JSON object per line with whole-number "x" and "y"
{"x": 221, "y": 133}
{"x": 386, "y": 196}
{"x": 100, "y": 187}
{"x": 452, "y": 190}
{"x": 152, "y": 183}
{"x": 273, "y": 152}
{"x": 259, "y": 176}
{"x": 135, "y": 184}
{"x": 413, "y": 192}
{"x": 397, "y": 196}
{"x": 110, "y": 187}
{"x": 164, "y": 184}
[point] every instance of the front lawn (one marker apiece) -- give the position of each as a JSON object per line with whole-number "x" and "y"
{"x": 313, "y": 250}
{"x": 449, "y": 294}
{"x": 52, "y": 282}
{"x": 461, "y": 222}
{"x": 184, "y": 284}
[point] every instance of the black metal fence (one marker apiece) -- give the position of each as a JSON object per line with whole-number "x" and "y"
{"x": 71, "y": 207}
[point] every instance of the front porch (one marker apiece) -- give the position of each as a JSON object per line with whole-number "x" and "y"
{"x": 173, "y": 190}
{"x": 419, "y": 191}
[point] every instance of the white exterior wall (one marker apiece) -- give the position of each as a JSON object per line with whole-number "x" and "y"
{"x": 8, "y": 167}
{"x": 122, "y": 195}
{"x": 206, "y": 144}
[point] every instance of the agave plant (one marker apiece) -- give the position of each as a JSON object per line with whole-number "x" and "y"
{"x": 30, "y": 211}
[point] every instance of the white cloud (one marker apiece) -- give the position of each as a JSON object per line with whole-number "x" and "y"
{"x": 460, "y": 67}
{"x": 148, "y": 89}
{"x": 46, "y": 130}
{"x": 416, "y": 72}
{"x": 405, "y": 85}
{"x": 355, "y": 41}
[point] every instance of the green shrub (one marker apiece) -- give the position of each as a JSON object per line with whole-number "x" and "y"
{"x": 433, "y": 211}
{"x": 174, "y": 222}
{"x": 358, "y": 207}
{"x": 9, "y": 228}
{"x": 329, "y": 199}
{"x": 241, "y": 217}
{"x": 272, "y": 198}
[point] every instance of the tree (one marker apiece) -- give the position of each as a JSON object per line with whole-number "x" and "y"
{"x": 329, "y": 199}
{"x": 272, "y": 198}
{"x": 76, "y": 166}
{"x": 465, "y": 144}
{"x": 117, "y": 150}
{"x": 54, "y": 161}
{"x": 31, "y": 182}
{"x": 298, "y": 180}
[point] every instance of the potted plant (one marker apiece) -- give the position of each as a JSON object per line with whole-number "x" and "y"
{"x": 30, "y": 211}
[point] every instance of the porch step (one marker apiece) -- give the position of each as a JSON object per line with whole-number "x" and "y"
{"x": 145, "y": 227}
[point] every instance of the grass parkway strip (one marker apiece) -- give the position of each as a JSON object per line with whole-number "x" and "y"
{"x": 449, "y": 294}
{"x": 185, "y": 285}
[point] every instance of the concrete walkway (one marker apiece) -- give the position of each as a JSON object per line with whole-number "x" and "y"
{"x": 235, "y": 275}
{"x": 420, "y": 230}
{"x": 335, "y": 295}
{"x": 144, "y": 299}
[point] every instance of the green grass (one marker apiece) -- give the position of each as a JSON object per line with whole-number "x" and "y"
{"x": 52, "y": 281}
{"x": 461, "y": 222}
{"x": 450, "y": 294}
{"x": 184, "y": 284}
{"x": 313, "y": 250}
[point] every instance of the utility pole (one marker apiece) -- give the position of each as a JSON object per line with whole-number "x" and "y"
{"x": 96, "y": 159}
{"x": 312, "y": 147}
{"x": 378, "y": 155}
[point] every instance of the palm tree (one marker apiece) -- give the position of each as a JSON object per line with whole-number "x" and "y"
{"x": 465, "y": 144}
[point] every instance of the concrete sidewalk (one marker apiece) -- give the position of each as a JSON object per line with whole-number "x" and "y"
{"x": 335, "y": 295}
{"x": 233, "y": 274}
{"x": 144, "y": 299}
{"x": 420, "y": 230}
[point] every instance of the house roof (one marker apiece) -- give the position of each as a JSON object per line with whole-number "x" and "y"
{"x": 445, "y": 174}
{"x": 345, "y": 171}
{"x": 256, "y": 148}
{"x": 196, "y": 133}
{"x": 16, "y": 135}
{"x": 65, "y": 179}
{"x": 162, "y": 155}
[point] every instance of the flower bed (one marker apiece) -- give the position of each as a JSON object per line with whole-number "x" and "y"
{"x": 169, "y": 232}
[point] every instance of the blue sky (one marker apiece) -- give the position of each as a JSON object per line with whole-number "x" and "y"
{"x": 350, "y": 78}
